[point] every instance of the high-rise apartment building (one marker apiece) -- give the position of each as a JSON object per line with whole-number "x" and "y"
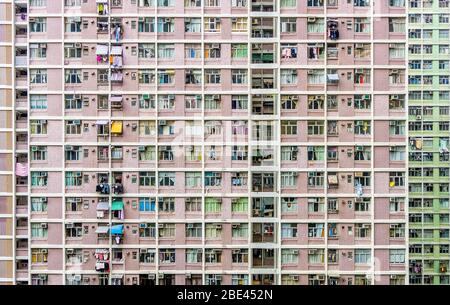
{"x": 429, "y": 166}
{"x": 206, "y": 142}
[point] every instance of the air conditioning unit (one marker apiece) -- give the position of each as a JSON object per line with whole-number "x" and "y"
{"x": 77, "y": 122}
{"x": 394, "y": 71}
{"x": 236, "y": 251}
{"x": 359, "y": 71}
{"x": 321, "y": 277}
{"x": 44, "y": 174}
{"x": 233, "y": 19}
{"x": 311, "y": 251}
{"x": 68, "y": 147}
{"x": 310, "y": 71}
{"x": 162, "y": 122}
{"x": 44, "y": 121}
{"x": 43, "y": 277}
{"x": 69, "y": 251}
{"x": 294, "y": 277}
{"x": 167, "y": 20}
{"x": 78, "y": 199}
{"x": 44, "y": 225}
{"x": 78, "y": 45}
{"x": 188, "y": 275}
{"x": 215, "y": 46}
{"x": 77, "y": 277}
{"x": 395, "y": 97}
{"x": 151, "y": 276}
{"x": 311, "y": 19}
{"x": 219, "y": 227}
{"x": 34, "y": 148}
{"x": 216, "y": 97}
{"x": 418, "y": 117}
{"x": 160, "y": 225}
{"x": 141, "y": 148}
{"x": 32, "y": 19}
{"x": 160, "y": 276}
{"x": 295, "y": 252}
{"x": 143, "y": 250}
{"x": 359, "y": 46}
{"x": 359, "y": 148}
{"x": 189, "y": 225}
{"x": 69, "y": 225}
{"x": 44, "y": 251}
{"x": 235, "y": 226}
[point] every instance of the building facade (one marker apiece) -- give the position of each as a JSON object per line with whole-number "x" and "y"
{"x": 428, "y": 38}
{"x": 209, "y": 142}
{"x": 13, "y": 145}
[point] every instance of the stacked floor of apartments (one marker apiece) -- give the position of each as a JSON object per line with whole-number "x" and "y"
{"x": 429, "y": 122}
{"x": 204, "y": 142}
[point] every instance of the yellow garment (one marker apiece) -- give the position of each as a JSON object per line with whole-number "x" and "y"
{"x": 391, "y": 183}
{"x": 419, "y": 144}
{"x": 110, "y": 59}
{"x": 116, "y": 127}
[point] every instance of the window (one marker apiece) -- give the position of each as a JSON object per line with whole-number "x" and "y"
{"x": 146, "y": 50}
{"x": 193, "y": 179}
{"x": 38, "y": 25}
{"x": 213, "y": 205}
{"x": 38, "y": 50}
{"x": 194, "y": 230}
{"x": 166, "y": 230}
{"x": 147, "y": 179}
{"x": 38, "y": 204}
{"x": 38, "y": 76}
{"x": 74, "y": 230}
{"x": 239, "y": 230}
{"x": 239, "y": 205}
{"x": 193, "y": 204}
{"x": 212, "y": 25}
{"x": 288, "y": 127}
{"x": 147, "y": 128}
{"x": 167, "y": 256}
{"x": 396, "y": 179}
{"x": 289, "y": 25}
{"x": 288, "y": 76}
{"x": 289, "y": 205}
{"x": 316, "y": 205}
{"x": 39, "y": 179}
{"x": 73, "y": 24}
{"x": 239, "y": 24}
{"x": 316, "y": 25}
{"x": 212, "y": 76}
{"x": 147, "y": 204}
{"x": 396, "y": 51}
{"x": 38, "y": 101}
{"x": 193, "y": 256}
{"x": 362, "y": 25}
{"x": 147, "y": 256}
{"x": 397, "y": 25}
{"x": 39, "y": 230}
{"x": 289, "y": 179}
{"x": 315, "y": 128}
{"x": 146, "y": 25}
{"x": 397, "y": 128}
{"x": 73, "y": 127}
{"x": 239, "y": 50}
{"x": 166, "y": 50}
{"x": 289, "y": 256}
{"x": 39, "y": 256}
{"x": 362, "y": 127}
{"x": 289, "y": 230}
{"x": 38, "y": 153}
{"x": 363, "y": 256}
